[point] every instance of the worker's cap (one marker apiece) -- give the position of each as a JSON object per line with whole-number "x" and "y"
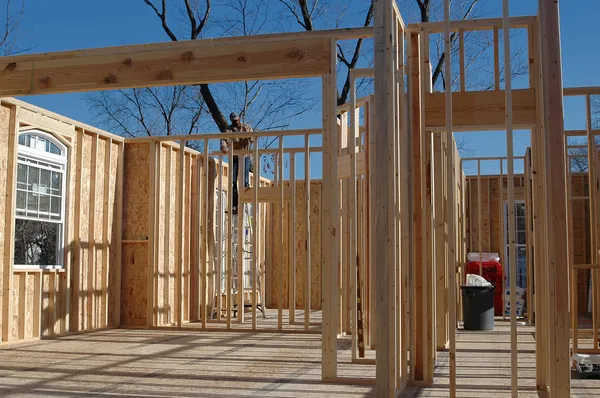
{"x": 234, "y": 116}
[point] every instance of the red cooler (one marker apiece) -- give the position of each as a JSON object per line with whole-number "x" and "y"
{"x": 492, "y": 272}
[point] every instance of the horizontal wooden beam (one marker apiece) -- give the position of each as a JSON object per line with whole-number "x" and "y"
{"x": 480, "y": 110}
{"x": 219, "y": 136}
{"x": 165, "y": 64}
{"x": 576, "y": 91}
{"x": 472, "y": 24}
{"x": 267, "y": 194}
{"x": 580, "y": 133}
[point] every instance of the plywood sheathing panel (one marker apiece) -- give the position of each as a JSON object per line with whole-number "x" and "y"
{"x": 160, "y": 233}
{"x": 134, "y": 279}
{"x": 134, "y": 287}
{"x": 274, "y": 243}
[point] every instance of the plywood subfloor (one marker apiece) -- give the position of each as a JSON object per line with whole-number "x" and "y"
{"x": 484, "y": 367}
{"x": 267, "y": 323}
{"x": 160, "y": 363}
{"x": 172, "y": 364}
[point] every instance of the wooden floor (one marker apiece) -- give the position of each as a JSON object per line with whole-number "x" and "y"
{"x": 484, "y": 369}
{"x": 187, "y": 363}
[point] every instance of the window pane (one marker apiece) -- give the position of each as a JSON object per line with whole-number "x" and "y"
{"x": 520, "y": 224}
{"x": 56, "y": 183}
{"x": 41, "y": 144}
{"x": 521, "y": 238}
{"x": 44, "y": 205}
{"x": 21, "y": 200}
{"x": 44, "y": 181}
{"x": 55, "y": 208}
{"x": 22, "y": 174}
{"x": 32, "y": 202}
{"x": 55, "y": 149}
{"x": 520, "y": 209}
{"x": 33, "y": 178}
{"x": 22, "y": 139}
{"x": 36, "y": 242}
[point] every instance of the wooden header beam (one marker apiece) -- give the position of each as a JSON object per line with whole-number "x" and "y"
{"x": 480, "y": 110}
{"x": 291, "y": 55}
{"x": 577, "y": 91}
{"x": 472, "y": 24}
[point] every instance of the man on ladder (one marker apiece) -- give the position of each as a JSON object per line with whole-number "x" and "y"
{"x": 238, "y": 144}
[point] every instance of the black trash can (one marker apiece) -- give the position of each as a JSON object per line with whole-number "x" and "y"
{"x": 478, "y": 307}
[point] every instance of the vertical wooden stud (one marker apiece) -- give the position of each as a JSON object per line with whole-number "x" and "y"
{"x": 9, "y": 227}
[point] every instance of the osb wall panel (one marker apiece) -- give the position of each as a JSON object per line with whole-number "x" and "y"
{"x": 4, "y": 135}
{"x": 274, "y": 246}
{"x": 136, "y": 213}
{"x": 136, "y": 207}
{"x": 134, "y": 275}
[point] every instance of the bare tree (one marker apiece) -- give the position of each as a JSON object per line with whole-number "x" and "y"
{"x": 192, "y": 109}
{"x": 9, "y": 34}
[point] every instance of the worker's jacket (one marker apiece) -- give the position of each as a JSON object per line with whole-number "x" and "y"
{"x": 238, "y": 143}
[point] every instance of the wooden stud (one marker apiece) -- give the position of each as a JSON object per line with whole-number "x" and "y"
{"x": 307, "y": 254}
{"x": 76, "y": 286}
{"x": 594, "y": 214}
{"x": 461, "y": 42}
{"x": 92, "y": 265}
{"x": 179, "y": 234}
{"x": 292, "y": 242}
{"x": 167, "y": 319}
{"x": 383, "y": 201}
{"x": 152, "y": 194}
{"x": 119, "y": 235}
{"x": 23, "y": 296}
{"x": 479, "y": 228}
{"x": 220, "y": 238}
{"x": 157, "y": 182}
{"x": 255, "y": 235}
{"x": 9, "y": 227}
{"x": 529, "y": 232}
{"x": 352, "y": 258}
{"x": 205, "y": 260}
{"x": 450, "y": 204}
{"x": 511, "y": 201}
{"x": 573, "y": 272}
{"x": 52, "y": 303}
{"x": 503, "y": 259}
{"x": 240, "y": 240}
{"x": 37, "y": 304}
{"x": 281, "y": 291}
{"x": 557, "y": 271}
{"x": 496, "y": 59}
{"x": 106, "y": 249}
{"x": 330, "y": 253}
{"x": 229, "y": 272}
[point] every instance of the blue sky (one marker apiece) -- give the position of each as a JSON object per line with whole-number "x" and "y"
{"x": 87, "y": 24}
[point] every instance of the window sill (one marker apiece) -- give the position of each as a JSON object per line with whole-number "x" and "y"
{"x": 34, "y": 268}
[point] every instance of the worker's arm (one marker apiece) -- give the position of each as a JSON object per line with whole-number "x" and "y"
{"x": 224, "y": 146}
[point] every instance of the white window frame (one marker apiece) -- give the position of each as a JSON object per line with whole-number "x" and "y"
{"x": 61, "y": 161}
{"x": 517, "y": 245}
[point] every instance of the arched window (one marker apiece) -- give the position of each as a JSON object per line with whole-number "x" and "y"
{"x": 40, "y": 210}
